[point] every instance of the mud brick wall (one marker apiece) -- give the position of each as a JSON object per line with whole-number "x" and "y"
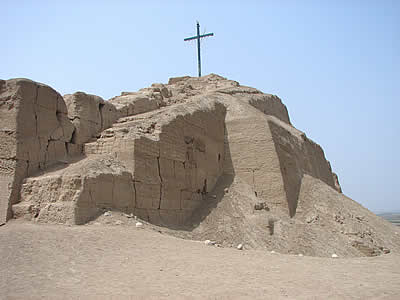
{"x": 35, "y": 133}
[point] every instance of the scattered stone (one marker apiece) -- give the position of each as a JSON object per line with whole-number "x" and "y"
{"x": 240, "y": 247}
{"x": 334, "y": 255}
{"x": 129, "y": 215}
{"x": 214, "y": 196}
{"x": 107, "y": 213}
{"x": 139, "y": 225}
{"x": 360, "y": 218}
{"x": 261, "y": 206}
{"x": 339, "y": 218}
{"x": 273, "y": 252}
{"x": 226, "y": 190}
{"x": 209, "y": 243}
{"x": 312, "y": 218}
{"x": 386, "y": 250}
{"x": 118, "y": 222}
{"x": 301, "y": 255}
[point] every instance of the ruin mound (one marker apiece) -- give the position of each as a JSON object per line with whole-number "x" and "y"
{"x": 204, "y": 156}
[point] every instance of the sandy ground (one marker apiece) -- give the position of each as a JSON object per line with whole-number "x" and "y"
{"x": 123, "y": 262}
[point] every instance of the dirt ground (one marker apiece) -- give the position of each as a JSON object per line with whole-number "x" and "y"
{"x": 124, "y": 262}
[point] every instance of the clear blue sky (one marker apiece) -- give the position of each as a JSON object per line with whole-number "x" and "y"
{"x": 335, "y": 64}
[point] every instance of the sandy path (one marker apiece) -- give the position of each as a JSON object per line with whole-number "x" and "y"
{"x": 113, "y": 262}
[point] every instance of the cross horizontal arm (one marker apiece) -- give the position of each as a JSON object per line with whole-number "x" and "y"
{"x": 197, "y": 37}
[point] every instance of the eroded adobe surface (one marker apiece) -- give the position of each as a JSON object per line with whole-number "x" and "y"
{"x": 174, "y": 140}
{"x": 159, "y": 166}
{"x": 207, "y": 157}
{"x": 76, "y": 194}
{"x": 35, "y": 134}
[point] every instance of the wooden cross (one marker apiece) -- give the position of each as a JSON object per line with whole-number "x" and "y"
{"x": 198, "y": 37}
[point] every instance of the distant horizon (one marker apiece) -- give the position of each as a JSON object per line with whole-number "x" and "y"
{"x": 386, "y": 212}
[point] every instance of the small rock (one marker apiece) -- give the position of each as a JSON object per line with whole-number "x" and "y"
{"x": 226, "y": 190}
{"x": 118, "y": 222}
{"x": 261, "y": 206}
{"x": 301, "y": 255}
{"x": 107, "y": 213}
{"x": 139, "y": 225}
{"x": 258, "y": 206}
{"x": 129, "y": 215}
{"x": 334, "y": 255}
{"x": 209, "y": 243}
{"x": 273, "y": 252}
{"x": 340, "y": 219}
{"x": 386, "y": 250}
{"x": 214, "y": 196}
{"x": 360, "y": 218}
{"x": 240, "y": 247}
{"x": 312, "y": 219}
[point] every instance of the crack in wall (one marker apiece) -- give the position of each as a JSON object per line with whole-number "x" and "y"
{"x": 134, "y": 191}
{"x": 34, "y": 110}
{"x": 101, "y": 116}
{"x": 112, "y": 191}
{"x": 73, "y": 136}
{"x": 254, "y": 186}
{"x": 161, "y": 181}
{"x": 91, "y": 197}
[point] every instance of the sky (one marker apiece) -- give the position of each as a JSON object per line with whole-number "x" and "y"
{"x": 335, "y": 64}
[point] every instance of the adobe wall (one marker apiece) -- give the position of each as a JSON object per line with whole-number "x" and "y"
{"x": 167, "y": 154}
{"x": 77, "y": 193}
{"x": 298, "y": 155}
{"x": 250, "y": 151}
{"x": 266, "y": 103}
{"x": 159, "y": 165}
{"x": 270, "y": 105}
{"x": 145, "y": 100}
{"x": 35, "y": 134}
{"x": 90, "y": 115}
{"x": 269, "y": 154}
{"x": 175, "y": 155}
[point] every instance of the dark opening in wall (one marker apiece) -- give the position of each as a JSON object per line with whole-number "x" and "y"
{"x": 271, "y": 226}
{"x": 204, "y": 191}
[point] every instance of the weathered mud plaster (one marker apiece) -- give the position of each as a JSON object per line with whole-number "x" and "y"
{"x": 35, "y": 134}
{"x": 160, "y": 150}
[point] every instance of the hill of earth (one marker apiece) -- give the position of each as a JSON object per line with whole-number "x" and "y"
{"x": 197, "y": 158}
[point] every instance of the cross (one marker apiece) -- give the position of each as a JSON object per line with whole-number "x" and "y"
{"x": 198, "y": 37}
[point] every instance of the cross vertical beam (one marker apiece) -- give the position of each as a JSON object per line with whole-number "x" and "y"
{"x": 198, "y": 37}
{"x": 198, "y": 48}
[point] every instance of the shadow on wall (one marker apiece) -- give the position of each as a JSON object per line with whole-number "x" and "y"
{"x": 289, "y": 161}
{"x": 212, "y": 199}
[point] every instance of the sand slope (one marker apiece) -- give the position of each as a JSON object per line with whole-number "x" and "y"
{"x": 122, "y": 262}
